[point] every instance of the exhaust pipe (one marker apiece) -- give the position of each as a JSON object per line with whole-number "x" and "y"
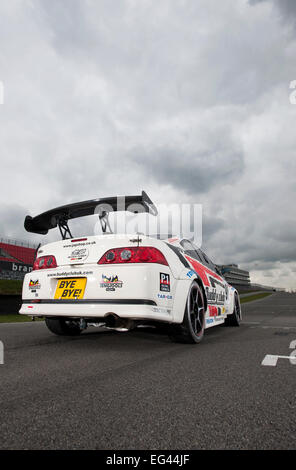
{"x": 114, "y": 321}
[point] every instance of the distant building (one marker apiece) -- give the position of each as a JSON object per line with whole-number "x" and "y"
{"x": 16, "y": 258}
{"x": 238, "y": 278}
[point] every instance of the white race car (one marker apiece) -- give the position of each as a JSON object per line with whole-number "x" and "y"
{"x": 122, "y": 281}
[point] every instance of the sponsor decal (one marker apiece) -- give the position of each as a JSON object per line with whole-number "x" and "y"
{"x": 79, "y": 254}
{"x": 110, "y": 283}
{"x": 190, "y": 274}
{"x": 79, "y": 244}
{"x": 69, "y": 273}
{"x": 33, "y": 285}
{"x": 165, "y": 296}
{"x": 210, "y": 320}
{"x": 165, "y": 283}
{"x": 213, "y": 310}
{"x": 161, "y": 310}
{"x": 215, "y": 297}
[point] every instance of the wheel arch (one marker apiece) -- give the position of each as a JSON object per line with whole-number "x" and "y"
{"x": 234, "y": 293}
{"x": 199, "y": 281}
{"x": 181, "y": 295}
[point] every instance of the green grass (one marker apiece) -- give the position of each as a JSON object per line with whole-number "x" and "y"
{"x": 248, "y": 291}
{"x": 254, "y": 297}
{"x": 15, "y": 318}
{"x": 8, "y": 287}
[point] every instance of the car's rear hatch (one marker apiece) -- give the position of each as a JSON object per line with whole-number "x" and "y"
{"x": 89, "y": 250}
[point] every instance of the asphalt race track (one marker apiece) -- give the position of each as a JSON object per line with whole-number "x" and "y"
{"x": 137, "y": 390}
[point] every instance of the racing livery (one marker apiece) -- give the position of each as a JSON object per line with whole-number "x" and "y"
{"x": 121, "y": 281}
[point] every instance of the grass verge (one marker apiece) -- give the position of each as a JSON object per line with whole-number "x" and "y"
{"x": 254, "y": 297}
{"x": 15, "y": 318}
{"x": 10, "y": 287}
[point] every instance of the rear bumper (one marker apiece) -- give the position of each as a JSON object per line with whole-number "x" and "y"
{"x": 136, "y": 309}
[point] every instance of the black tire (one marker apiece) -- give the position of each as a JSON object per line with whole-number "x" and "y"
{"x": 63, "y": 327}
{"x": 235, "y": 317}
{"x": 192, "y": 328}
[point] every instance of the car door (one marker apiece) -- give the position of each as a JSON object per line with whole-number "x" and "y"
{"x": 215, "y": 285}
{"x": 218, "y": 290}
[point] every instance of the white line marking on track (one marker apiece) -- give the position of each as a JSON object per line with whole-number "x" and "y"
{"x": 272, "y": 359}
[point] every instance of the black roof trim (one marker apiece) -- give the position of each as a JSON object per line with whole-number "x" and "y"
{"x": 178, "y": 252}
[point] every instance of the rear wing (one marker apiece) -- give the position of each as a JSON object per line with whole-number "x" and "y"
{"x": 59, "y": 217}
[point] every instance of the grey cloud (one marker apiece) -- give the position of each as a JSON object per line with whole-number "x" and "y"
{"x": 286, "y": 8}
{"x": 69, "y": 25}
{"x": 211, "y": 225}
{"x": 194, "y": 173}
{"x": 153, "y": 61}
{"x": 12, "y": 226}
{"x": 213, "y": 159}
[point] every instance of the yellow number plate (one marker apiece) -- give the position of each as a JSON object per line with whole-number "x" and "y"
{"x": 70, "y": 288}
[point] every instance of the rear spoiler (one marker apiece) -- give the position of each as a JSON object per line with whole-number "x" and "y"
{"x": 59, "y": 217}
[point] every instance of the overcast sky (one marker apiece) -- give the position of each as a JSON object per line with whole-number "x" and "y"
{"x": 186, "y": 99}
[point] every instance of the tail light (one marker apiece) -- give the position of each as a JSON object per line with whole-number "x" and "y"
{"x": 45, "y": 262}
{"x": 141, "y": 254}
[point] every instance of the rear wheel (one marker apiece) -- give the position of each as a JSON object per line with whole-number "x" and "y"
{"x": 192, "y": 328}
{"x": 235, "y": 318}
{"x": 63, "y": 327}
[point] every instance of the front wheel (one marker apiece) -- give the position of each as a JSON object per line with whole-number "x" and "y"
{"x": 192, "y": 328}
{"x": 63, "y": 327}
